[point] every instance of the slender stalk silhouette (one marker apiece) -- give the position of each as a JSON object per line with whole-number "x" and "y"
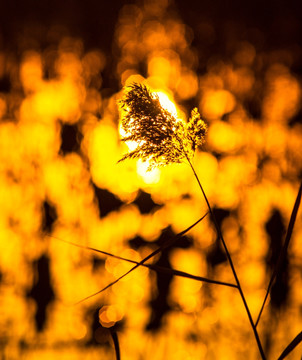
{"x": 219, "y": 233}
{"x": 161, "y": 140}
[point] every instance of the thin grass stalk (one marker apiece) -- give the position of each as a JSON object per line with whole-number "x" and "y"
{"x": 291, "y": 346}
{"x": 153, "y": 267}
{"x": 161, "y": 140}
{"x": 219, "y": 233}
{"x": 116, "y": 344}
{"x": 155, "y": 252}
{"x": 284, "y": 249}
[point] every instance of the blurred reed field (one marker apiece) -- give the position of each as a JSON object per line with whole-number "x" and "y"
{"x": 59, "y": 180}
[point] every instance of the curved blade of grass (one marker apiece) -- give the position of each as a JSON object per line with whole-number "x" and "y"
{"x": 284, "y": 249}
{"x": 291, "y": 346}
{"x": 151, "y": 266}
{"x": 157, "y": 251}
{"x": 187, "y": 275}
{"x": 116, "y": 344}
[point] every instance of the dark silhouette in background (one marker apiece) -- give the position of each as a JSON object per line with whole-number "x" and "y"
{"x": 42, "y": 291}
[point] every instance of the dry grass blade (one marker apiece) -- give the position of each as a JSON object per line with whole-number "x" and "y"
{"x": 291, "y": 346}
{"x": 157, "y": 251}
{"x": 152, "y": 266}
{"x": 284, "y": 249}
{"x": 188, "y": 276}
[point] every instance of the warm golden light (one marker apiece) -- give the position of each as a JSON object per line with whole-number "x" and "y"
{"x": 167, "y": 103}
{"x": 61, "y": 183}
{"x": 149, "y": 177}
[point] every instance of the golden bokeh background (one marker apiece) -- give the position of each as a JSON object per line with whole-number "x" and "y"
{"x": 59, "y": 179}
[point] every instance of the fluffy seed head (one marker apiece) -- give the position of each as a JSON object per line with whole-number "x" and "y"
{"x": 161, "y": 138}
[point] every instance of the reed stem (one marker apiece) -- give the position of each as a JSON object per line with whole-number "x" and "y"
{"x": 219, "y": 233}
